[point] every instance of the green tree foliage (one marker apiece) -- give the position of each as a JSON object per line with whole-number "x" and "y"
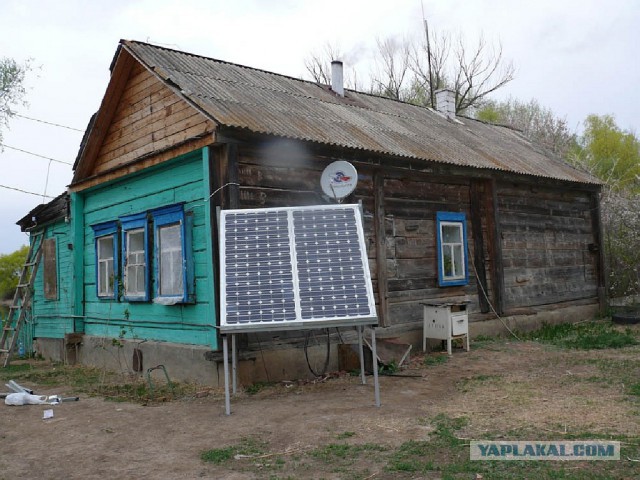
{"x": 537, "y": 123}
{"x": 10, "y": 268}
{"x": 610, "y": 153}
{"x": 12, "y": 90}
{"x": 613, "y": 155}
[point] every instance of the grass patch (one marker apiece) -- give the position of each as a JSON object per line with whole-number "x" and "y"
{"x": 257, "y": 387}
{"x": 92, "y": 381}
{"x": 249, "y": 447}
{"x": 595, "y": 335}
{"x": 466, "y": 384}
{"x": 345, "y": 435}
{"x": 437, "y": 359}
{"x": 634, "y": 389}
{"x": 333, "y": 452}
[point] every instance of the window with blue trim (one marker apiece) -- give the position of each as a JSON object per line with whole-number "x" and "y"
{"x": 135, "y": 257}
{"x": 452, "y": 249}
{"x": 173, "y": 260}
{"x": 106, "y": 245}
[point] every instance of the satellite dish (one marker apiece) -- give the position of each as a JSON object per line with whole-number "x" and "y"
{"x": 338, "y": 180}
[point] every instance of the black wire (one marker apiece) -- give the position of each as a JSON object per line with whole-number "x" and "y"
{"x": 306, "y": 353}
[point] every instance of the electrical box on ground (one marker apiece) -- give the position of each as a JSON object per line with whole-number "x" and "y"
{"x": 445, "y": 321}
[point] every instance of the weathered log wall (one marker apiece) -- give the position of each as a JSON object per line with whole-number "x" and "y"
{"x": 546, "y": 235}
{"x": 528, "y": 244}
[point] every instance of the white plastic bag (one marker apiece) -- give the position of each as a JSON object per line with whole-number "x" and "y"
{"x": 25, "y": 398}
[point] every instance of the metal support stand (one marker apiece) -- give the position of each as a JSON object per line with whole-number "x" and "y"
{"x": 363, "y": 377}
{"x": 225, "y": 354}
{"x": 234, "y": 363}
{"x": 234, "y": 369}
{"x": 374, "y": 353}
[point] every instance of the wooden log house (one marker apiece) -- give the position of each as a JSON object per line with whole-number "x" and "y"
{"x": 179, "y": 135}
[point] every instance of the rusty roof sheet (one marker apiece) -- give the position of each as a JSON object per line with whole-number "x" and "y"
{"x": 241, "y": 97}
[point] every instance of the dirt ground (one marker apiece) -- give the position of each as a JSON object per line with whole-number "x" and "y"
{"x": 497, "y": 386}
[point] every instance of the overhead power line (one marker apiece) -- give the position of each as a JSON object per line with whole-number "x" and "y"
{"x": 48, "y": 123}
{"x": 35, "y": 154}
{"x": 24, "y": 191}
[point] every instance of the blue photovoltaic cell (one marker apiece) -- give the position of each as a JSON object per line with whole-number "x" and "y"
{"x": 258, "y": 273}
{"x": 332, "y": 280}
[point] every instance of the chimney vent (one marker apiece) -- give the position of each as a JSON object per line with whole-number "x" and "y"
{"x": 337, "y": 77}
{"x": 446, "y": 102}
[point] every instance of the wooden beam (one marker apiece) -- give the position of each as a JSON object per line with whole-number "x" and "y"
{"x": 495, "y": 246}
{"x": 476, "y": 192}
{"x": 596, "y": 225}
{"x": 232, "y": 171}
{"x": 381, "y": 249}
{"x": 77, "y": 255}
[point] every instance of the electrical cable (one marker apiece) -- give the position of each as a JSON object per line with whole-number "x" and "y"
{"x": 46, "y": 182}
{"x": 327, "y": 356}
{"x": 24, "y": 191}
{"x": 35, "y": 154}
{"x": 48, "y": 123}
{"x": 489, "y": 301}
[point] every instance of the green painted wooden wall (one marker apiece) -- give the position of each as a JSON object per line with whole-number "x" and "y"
{"x": 180, "y": 180}
{"x": 54, "y": 318}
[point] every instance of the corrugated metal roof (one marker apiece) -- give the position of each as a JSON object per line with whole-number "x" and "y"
{"x": 241, "y": 97}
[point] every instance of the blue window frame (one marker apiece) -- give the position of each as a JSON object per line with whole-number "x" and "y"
{"x": 452, "y": 249}
{"x": 173, "y": 261}
{"x": 106, "y": 248}
{"x": 135, "y": 257}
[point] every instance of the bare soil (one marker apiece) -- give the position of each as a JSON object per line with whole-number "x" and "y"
{"x": 499, "y": 386}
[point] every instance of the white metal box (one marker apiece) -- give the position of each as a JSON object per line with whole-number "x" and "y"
{"x": 445, "y": 321}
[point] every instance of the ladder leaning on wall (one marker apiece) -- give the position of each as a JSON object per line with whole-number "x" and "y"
{"x": 21, "y": 300}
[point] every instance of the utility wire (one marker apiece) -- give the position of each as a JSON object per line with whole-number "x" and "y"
{"x": 36, "y": 154}
{"x": 48, "y": 123}
{"x": 24, "y": 191}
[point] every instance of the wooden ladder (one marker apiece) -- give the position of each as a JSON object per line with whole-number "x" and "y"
{"x": 21, "y": 299}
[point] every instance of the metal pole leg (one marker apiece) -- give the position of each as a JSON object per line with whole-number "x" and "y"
{"x": 376, "y": 385}
{"x": 363, "y": 378}
{"x": 234, "y": 363}
{"x": 225, "y": 354}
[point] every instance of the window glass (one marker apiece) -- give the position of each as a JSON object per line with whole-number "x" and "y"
{"x": 451, "y": 245}
{"x": 105, "y": 266}
{"x": 134, "y": 273}
{"x": 170, "y": 257}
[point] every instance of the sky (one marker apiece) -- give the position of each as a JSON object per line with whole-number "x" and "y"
{"x": 575, "y": 57}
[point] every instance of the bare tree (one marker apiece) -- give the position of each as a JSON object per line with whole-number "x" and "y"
{"x": 318, "y": 63}
{"x": 479, "y": 72}
{"x": 392, "y": 68}
{"x": 412, "y": 71}
{"x": 429, "y": 59}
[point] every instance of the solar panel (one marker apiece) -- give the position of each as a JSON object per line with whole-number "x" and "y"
{"x": 294, "y": 267}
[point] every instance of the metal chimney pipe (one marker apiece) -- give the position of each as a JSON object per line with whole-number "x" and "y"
{"x": 337, "y": 84}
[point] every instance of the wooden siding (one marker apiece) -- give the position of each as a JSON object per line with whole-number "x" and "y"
{"x": 180, "y": 180}
{"x": 149, "y": 117}
{"x": 53, "y": 318}
{"x": 546, "y": 235}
